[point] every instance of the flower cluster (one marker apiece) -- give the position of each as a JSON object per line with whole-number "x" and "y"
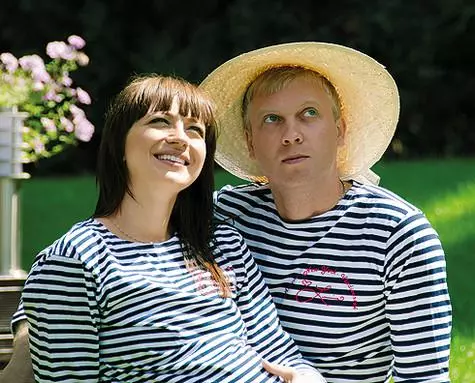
{"x": 45, "y": 91}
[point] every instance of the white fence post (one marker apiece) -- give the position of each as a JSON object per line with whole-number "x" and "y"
{"x": 11, "y": 176}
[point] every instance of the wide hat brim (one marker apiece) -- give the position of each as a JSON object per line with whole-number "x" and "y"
{"x": 368, "y": 94}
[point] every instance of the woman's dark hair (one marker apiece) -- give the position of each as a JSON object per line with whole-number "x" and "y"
{"x": 192, "y": 215}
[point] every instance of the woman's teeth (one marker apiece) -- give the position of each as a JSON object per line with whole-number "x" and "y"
{"x": 169, "y": 157}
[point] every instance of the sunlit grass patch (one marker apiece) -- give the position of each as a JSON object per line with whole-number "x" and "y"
{"x": 454, "y": 214}
{"x": 462, "y": 361}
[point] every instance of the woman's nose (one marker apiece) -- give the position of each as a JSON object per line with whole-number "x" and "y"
{"x": 177, "y": 135}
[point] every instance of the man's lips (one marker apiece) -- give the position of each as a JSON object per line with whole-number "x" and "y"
{"x": 295, "y": 159}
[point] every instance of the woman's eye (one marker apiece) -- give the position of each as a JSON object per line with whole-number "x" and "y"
{"x": 271, "y": 118}
{"x": 158, "y": 120}
{"x": 197, "y": 129}
{"x": 310, "y": 112}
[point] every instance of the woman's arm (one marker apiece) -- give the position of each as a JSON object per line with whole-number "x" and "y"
{"x": 19, "y": 368}
{"x": 264, "y": 332}
{"x": 59, "y": 300}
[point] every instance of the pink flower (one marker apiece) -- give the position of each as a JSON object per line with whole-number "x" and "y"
{"x": 60, "y": 50}
{"x": 48, "y": 124}
{"x": 37, "y": 86}
{"x": 66, "y": 80}
{"x": 84, "y": 130}
{"x": 38, "y": 146}
{"x": 32, "y": 63}
{"x": 49, "y": 95}
{"x": 66, "y": 124}
{"x": 10, "y": 62}
{"x": 46, "y": 92}
{"x": 40, "y": 75}
{"x": 82, "y": 58}
{"x": 83, "y": 96}
{"x": 76, "y": 42}
{"x": 77, "y": 112}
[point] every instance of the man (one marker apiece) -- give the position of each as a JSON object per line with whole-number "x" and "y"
{"x": 357, "y": 273}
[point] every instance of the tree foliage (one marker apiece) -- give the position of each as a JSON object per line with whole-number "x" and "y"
{"x": 427, "y": 47}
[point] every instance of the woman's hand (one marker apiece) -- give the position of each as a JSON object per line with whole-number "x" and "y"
{"x": 291, "y": 375}
{"x": 19, "y": 368}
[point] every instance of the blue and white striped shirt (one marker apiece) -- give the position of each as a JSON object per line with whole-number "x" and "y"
{"x": 104, "y": 309}
{"x": 361, "y": 288}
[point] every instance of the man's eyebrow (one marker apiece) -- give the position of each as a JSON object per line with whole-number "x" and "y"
{"x": 311, "y": 102}
{"x": 304, "y": 104}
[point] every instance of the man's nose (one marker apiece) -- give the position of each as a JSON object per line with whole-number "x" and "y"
{"x": 292, "y": 134}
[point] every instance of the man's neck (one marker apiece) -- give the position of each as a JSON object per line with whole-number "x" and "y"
{"x": 299, "y": 202}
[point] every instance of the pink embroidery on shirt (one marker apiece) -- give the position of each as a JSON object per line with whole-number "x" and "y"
{"x": 326, "y": 270}
{"x": 310, "y": 291}
{"x": 352, "y": 290}
{"x": 317, "y": 293}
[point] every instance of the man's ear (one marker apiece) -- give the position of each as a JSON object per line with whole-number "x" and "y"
{"x": 250, "y": 147}
{"x": 341, "y": 131}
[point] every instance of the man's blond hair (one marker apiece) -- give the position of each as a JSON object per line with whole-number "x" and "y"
{"x": 277, "y": 78}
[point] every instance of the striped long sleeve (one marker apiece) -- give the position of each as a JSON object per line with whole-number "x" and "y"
{"x": 418, "y": 304}
{"x": 264, "y": 331}
{"x": 59, "y": 301}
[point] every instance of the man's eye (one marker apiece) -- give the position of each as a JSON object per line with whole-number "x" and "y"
{"x": 271, "y": 118}
{"x": 310, "y": 112}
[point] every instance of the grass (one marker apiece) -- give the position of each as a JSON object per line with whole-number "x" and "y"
{"x": 444, "y": 190}
{"x": 49, "y": 206}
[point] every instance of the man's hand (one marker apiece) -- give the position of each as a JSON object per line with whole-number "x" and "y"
{"x": 291, "y": 375}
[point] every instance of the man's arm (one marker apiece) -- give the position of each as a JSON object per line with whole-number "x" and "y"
{"x": 417, "y": 303}
{"x": 19, "y": 369}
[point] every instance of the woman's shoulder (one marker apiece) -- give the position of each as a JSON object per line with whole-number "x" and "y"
{"x": 78, "y": 242}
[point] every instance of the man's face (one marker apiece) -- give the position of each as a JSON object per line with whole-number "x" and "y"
{"x": 294, "y": 133}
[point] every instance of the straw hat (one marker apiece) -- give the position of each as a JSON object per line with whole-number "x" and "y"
{"x": 368, "y": 95}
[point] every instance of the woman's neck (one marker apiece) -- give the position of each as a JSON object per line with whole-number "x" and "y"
{"x": 144, "y": 218}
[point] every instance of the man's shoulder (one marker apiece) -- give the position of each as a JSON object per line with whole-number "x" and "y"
{"x": 382, "y": 200}
{"x": 224, "y": 231}
{"x": 243, "y": 200}
{"x": 249, "y": 191}
{"x": 247, "y": 188}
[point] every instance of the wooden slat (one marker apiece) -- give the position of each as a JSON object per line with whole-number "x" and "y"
{"x": 10, "y": 293}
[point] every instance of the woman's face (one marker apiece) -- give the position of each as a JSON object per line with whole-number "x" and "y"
{"x": 165, "y": 148}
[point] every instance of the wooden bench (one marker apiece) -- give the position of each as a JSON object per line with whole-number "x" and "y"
{"x": 10, "y": 293}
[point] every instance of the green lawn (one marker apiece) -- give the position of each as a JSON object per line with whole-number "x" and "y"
{"x": 444, "y": 190}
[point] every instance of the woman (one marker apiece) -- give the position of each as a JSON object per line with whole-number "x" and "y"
{"x": 150, "y": 289}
